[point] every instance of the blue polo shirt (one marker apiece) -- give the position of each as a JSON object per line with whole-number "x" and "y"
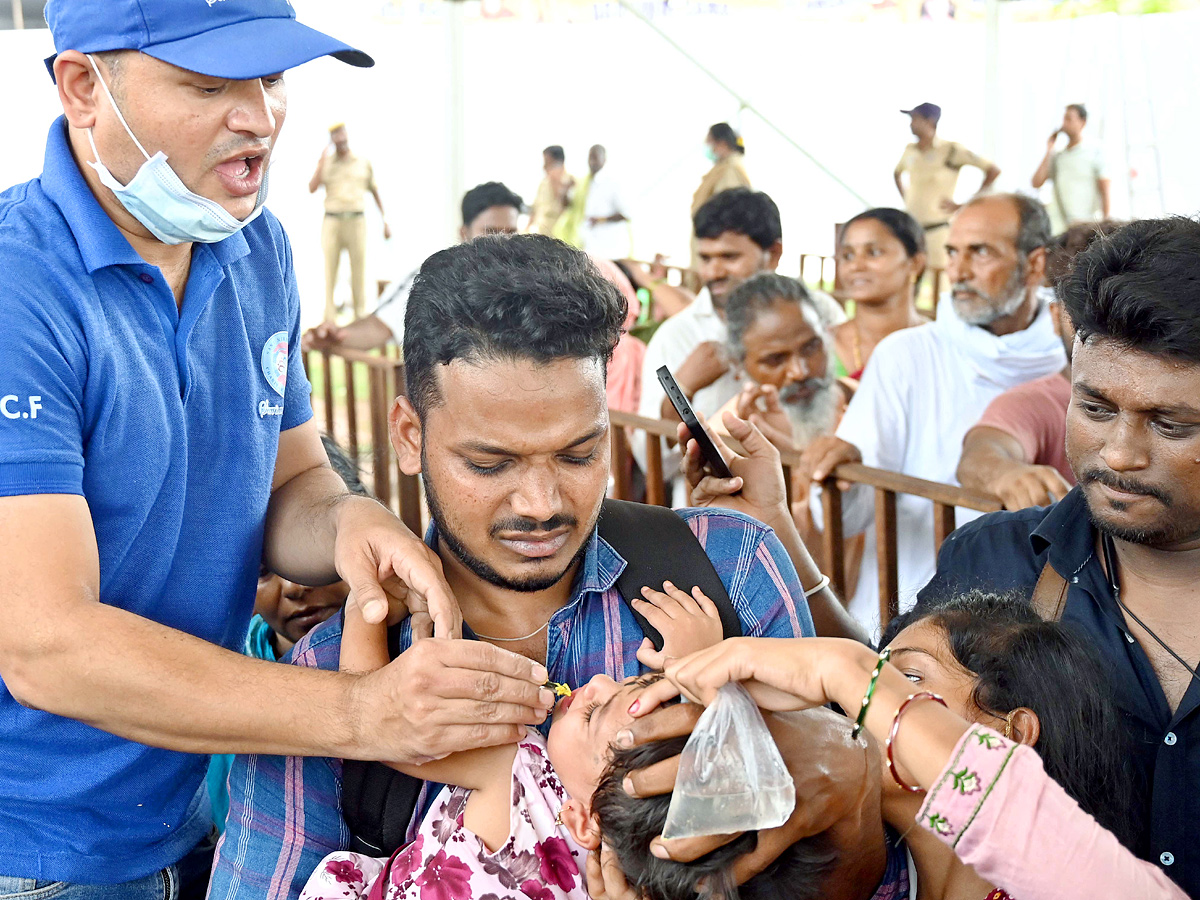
{"x": 167, "y": 422}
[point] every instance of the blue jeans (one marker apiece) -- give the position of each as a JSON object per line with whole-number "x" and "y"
{"x": 186, "y": 880}
{"x": 162, "y": 885}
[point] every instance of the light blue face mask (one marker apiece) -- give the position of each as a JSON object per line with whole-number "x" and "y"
{"x": 710, "y": 153}
{"x": 159, "y": 200}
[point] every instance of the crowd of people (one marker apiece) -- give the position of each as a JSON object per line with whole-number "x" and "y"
{"x": 279, "y": 691}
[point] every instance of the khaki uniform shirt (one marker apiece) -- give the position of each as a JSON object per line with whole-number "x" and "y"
{"x": 547, "y": 206}
{"x": 725, "y": 175}
{"x": 346, "y": 182}
{"x": 933, "y": 176}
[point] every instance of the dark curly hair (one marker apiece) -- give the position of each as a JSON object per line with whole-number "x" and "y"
{"x": 1137, "y": 287}
{"x": 506, "y": 297}
{"x": 628, "y": 824}
{"x": 741, "y": 211}
{"x": 1064, "y": 247}
{"x": 1017, "y": 659}
{"x": 483, "y": 197}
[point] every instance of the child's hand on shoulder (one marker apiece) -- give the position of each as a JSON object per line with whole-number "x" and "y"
{"x": 687, "y": 622}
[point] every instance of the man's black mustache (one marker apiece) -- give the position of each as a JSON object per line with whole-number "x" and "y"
{"x": 529, "y": 526}
{"x": 1116, "y": 482}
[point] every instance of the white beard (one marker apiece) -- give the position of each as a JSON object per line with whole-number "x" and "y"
{"x": 815, "y": 418}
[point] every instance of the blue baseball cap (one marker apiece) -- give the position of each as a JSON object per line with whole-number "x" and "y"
{"x": 930, "y": 111}
{"x": 236, "y": 39}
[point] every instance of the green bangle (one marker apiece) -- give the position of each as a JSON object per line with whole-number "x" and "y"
{"x": 866, "y": 701}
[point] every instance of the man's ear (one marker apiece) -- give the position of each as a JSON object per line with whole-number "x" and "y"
{"x": 462, "y": 234}
{"x": 404, "y": 427}
{"x": 774, "y": 255}
{"x": 1026, "y": 726}
{"x": 78, "y": 88}
{"x": 581, "y": 824}
{"x": 1056, "y": 316}
{"x": 1036, "y": 276}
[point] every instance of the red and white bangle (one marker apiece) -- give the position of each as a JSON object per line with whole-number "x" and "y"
{"x": 891, "y": 740}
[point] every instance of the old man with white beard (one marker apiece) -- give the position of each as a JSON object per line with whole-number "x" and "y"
{"x": 779, "y": 345}
{"x": 924, "y": 387}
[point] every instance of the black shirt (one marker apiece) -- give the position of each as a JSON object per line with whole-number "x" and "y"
{"x": 1006, "y": 551}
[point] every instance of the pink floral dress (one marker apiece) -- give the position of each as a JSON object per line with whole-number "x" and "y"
{"x": 539, "y": 860}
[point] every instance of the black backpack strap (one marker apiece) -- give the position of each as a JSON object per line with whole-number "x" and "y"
{"x": 657, "y": 545}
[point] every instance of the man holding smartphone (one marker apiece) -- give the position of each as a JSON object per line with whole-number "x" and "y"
{"x": 1081, "y": 183}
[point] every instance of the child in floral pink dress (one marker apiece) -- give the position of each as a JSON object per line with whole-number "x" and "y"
{"x": 514, "y": 821}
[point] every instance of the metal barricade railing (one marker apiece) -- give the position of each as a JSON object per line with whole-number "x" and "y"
{"x": 887, "y": 485}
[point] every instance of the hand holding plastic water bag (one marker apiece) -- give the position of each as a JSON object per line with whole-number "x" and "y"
{"x": 731, "y": 775}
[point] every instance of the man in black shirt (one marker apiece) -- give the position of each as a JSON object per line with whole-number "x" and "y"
{"x": 1126, "y": 541}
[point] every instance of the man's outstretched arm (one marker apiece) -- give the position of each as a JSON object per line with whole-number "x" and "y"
{"x": 994, "y": 462}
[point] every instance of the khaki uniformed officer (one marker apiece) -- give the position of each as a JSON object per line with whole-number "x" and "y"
{"x": 347, "y": 178}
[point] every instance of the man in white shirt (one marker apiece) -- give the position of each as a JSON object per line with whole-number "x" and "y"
{"x": 738, "y": 235}
{"x": 489, "y": 208}
{"x": 924, "y": 387}
{"x": 1081, "y": 183}
{"x": 606, "y": 234}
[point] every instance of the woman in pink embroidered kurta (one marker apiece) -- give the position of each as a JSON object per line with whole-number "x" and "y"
{"x": 988, "y": 797}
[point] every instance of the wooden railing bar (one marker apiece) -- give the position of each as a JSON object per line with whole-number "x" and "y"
{"x": 370, "y": 358}
{"x": 620, "y": 463}
{"x": 327, "y": 371}
{"x": 943, "y": 524}
{"x": 886, "y": 555}
{"x": 682, "y": 271}
{"x": 351, "y": 412}
{"x": 409, "y": 490}
{"x": 641, "y": 423}
{"x": 656, "y": 493}
{"x": 834, "y": 535}
{"x": 380, "y": 445}
{"x": 947, "y": 494}
{"x": 853, "y": 472}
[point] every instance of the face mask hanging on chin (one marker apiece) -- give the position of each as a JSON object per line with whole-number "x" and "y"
{"x": 160, "y": 201}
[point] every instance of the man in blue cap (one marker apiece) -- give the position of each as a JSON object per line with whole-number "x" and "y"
{"x": 932, "y": 166}
{"x": 156, "y": 443}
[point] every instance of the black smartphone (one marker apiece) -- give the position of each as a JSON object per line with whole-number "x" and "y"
{"x": 708, "y": 450}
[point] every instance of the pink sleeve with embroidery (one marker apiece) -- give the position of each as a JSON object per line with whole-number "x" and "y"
{"x": 1000, "y": 811}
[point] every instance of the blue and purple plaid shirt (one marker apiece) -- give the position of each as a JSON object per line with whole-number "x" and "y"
{"x": 285, "y": 812}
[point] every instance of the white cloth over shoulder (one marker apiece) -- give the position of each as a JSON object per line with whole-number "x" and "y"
{"x": 922, "y": 390}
